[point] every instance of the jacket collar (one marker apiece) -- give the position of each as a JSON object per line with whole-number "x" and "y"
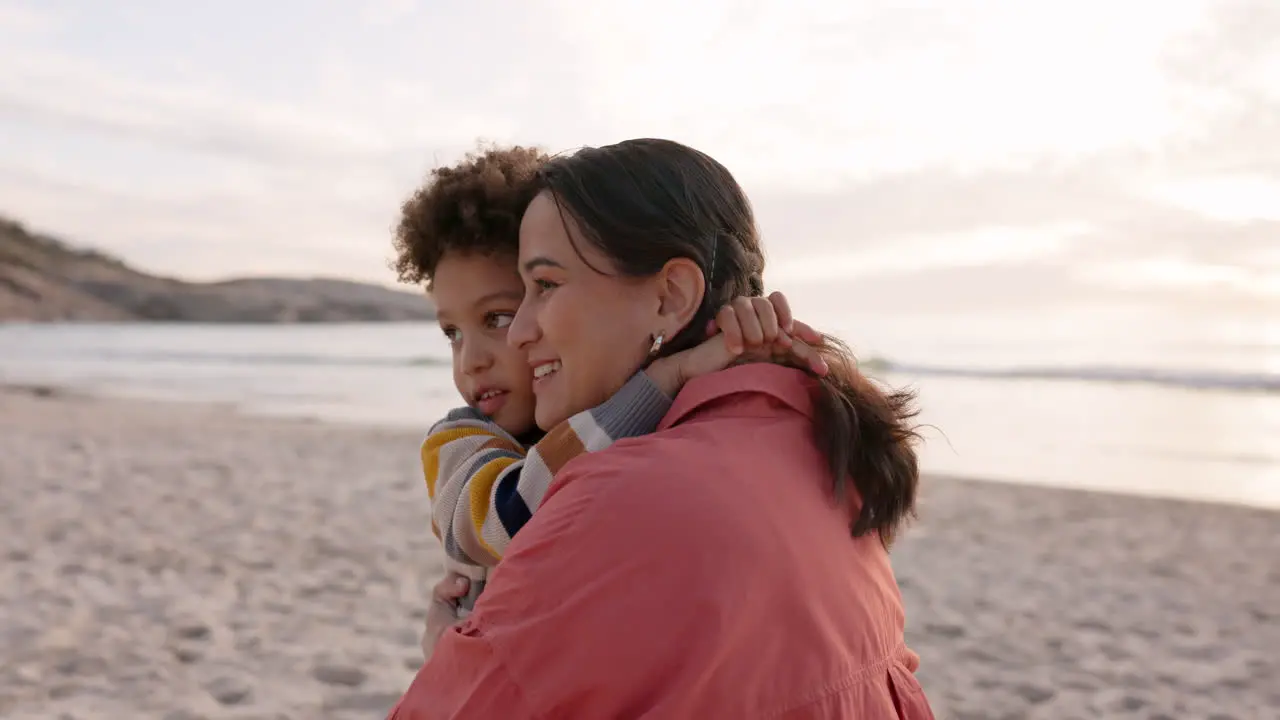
{"x": 765, "y": 380}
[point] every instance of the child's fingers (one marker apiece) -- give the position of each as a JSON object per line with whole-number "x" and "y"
{"x": 752, "y": 332}
{"x": 782, "y": 309}
{"x": 770, "y": 331}
{"x": 727, "y": 322}
{"x": 805, "y": 355}
{"x": 811, "y": 357}
{"x": 802, "y": 331}
{"x": 709, "y": 356}
{"x": 451, "y": 587}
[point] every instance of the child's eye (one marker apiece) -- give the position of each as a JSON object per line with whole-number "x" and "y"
{"x": 451, "y": 333}
{"x": 499, "y": 320}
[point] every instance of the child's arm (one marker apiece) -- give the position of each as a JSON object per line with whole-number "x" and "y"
{"x": 484, "y": 487}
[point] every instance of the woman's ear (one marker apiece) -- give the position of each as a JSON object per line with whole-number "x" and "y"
{"x": 681, "y": 287}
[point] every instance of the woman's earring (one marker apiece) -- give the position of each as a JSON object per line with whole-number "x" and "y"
{"x": 656, "y": 347}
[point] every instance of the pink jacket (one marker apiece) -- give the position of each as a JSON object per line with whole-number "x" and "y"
{"x": 703, "y": 571}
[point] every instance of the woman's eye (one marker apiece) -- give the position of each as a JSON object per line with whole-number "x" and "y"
{"x": 545, "y": 285}
{"x": 500, "y": 320}
{"x": 451, "y": 334}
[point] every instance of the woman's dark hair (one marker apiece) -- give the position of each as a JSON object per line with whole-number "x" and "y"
{"x": 645, "y": 202}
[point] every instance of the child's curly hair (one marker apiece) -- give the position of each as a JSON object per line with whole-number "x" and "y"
{"x": 472, "y": 207}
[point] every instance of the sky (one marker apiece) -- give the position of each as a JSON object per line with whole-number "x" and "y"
{"x": 1048, "y": 146}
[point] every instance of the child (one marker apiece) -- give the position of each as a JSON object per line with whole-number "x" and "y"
{"x": 486, "y": 465}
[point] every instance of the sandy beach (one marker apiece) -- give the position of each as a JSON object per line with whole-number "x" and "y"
{"x": 180, "y": 562}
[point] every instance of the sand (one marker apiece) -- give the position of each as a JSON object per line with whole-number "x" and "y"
{"x": 182, "y": 561}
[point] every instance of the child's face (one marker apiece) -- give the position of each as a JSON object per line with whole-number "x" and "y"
{"x": 476, "y": 297}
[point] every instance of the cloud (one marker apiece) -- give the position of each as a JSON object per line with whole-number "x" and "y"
{"x": 79, "y": 95}
{"x": 1228, "y": 72}
{"x": 1227, "y": 198}
{"x": 1180, "y": 275}
{"x": 21, "y": 20}
{"x": 194, "y": 143}
{"x": 983, "y": 247}
{"x": 813, "y": 93}
{"x": 201, "y": 235}
{"x": 1095, "y": 190}
{"x": 387, "y": 13}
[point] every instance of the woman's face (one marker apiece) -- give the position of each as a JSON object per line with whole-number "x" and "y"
{"x": 585, "y": 332}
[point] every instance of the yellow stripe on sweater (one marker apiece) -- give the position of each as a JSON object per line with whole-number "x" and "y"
{"x": 431, "y": 451}
{"x": 481, "y": 487}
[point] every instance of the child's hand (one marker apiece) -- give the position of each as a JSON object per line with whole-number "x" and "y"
{"x": 443, "y": 612}
{"x": 763, "y": 330}
{"x": 746, "y": 330}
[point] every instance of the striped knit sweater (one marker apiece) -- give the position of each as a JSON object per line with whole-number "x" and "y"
{"x": 484, "y": 485}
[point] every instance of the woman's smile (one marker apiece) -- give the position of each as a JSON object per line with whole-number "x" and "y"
{"x": 543, "y": 372}
{"x": 568, "y": 287}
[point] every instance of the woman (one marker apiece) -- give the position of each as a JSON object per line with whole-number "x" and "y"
{"x": 732, "y": 564}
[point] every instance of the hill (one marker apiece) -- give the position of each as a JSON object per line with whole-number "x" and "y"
{"x": 43, "y": 279}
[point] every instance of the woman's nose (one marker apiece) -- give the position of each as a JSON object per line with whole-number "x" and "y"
{"x": 524, "y": 327}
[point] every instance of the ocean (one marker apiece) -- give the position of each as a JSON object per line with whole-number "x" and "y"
{"x": 1124, "y": 398}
